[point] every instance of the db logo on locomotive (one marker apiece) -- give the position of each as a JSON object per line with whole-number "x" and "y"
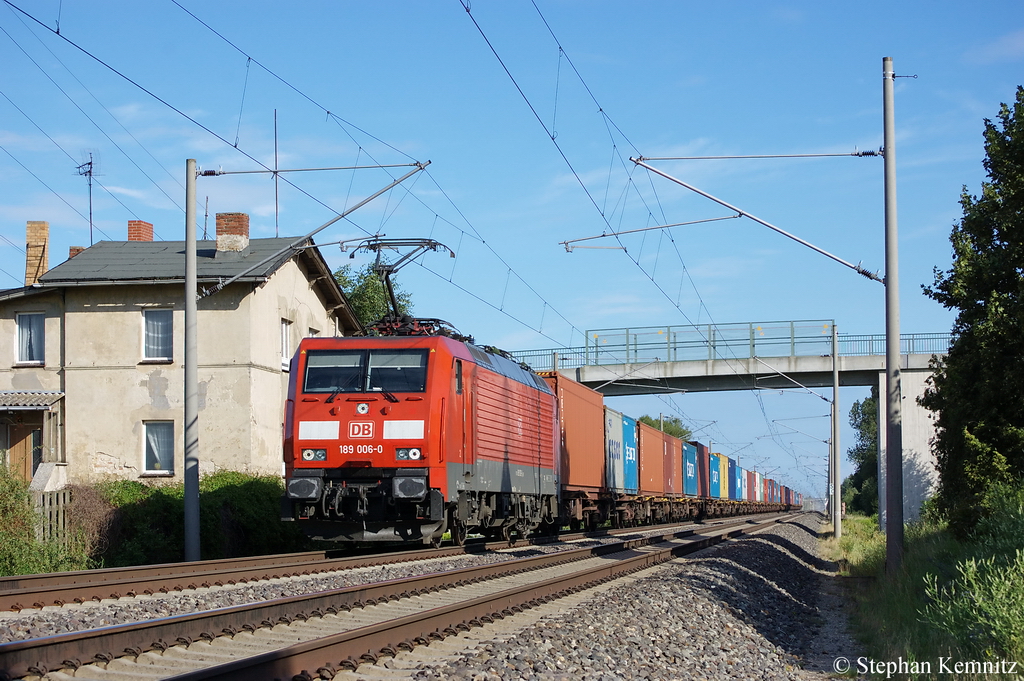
{"x": 360, "y": 429}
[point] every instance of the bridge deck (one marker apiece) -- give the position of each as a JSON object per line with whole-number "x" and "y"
{"x": 755, "y": 355}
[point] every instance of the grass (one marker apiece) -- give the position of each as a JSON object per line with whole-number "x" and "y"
{"x": 950, "y": 599}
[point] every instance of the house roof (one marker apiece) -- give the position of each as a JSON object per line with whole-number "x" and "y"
{"x": 163, "y": 262}
{"x": 159, "y": 261}
{"x": 28, "y": 399}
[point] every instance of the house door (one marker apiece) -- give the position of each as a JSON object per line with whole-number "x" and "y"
{"x": 25, "y": 452}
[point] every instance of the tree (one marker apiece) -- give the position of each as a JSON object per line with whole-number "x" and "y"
{"x": 976, "y": 393}
{"x": 860, "y": 488}
{"x": 366, "y": 293}
{"x": 673, "y": 425}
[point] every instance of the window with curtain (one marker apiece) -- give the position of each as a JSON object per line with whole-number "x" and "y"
{"x": 286, "y": 344}
{"x": 158, "y": 334}
{"x": 31, "y": 339}
{"x": 159, "y": 446}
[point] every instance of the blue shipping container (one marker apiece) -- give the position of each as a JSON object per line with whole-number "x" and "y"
{"x": 716, "y": 476}
{"x": 732, "y": 480}
{"x": 689, "y": 470}
{"x": 739, "y": 483}
{"x": 630, "y": 460}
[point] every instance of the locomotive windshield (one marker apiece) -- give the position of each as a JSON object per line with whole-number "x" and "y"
{"x": 365, "y": 371}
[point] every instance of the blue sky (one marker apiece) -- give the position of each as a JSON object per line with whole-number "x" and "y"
{"x": 395, "y": 82}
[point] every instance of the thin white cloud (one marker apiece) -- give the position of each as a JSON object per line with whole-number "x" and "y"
{"x": 1007, "y": 48}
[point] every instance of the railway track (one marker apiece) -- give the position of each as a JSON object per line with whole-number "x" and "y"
{"x": 323, "y": 633}
{"x": 57, "y": 589}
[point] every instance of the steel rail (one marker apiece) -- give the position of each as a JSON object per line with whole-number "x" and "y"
{"x": 37, "y": 591}
{"x": 369, "y": 643}
{"x": 41, "y": 655}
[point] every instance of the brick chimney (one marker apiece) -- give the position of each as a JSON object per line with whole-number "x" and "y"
{"x": 139, "y": 230}
{"x": 75, "y": 250}
{"x": 232, "y": 231}
{"x": 37, "y": 250}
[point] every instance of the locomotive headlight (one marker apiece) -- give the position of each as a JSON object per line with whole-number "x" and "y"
{"x": 314, "y": 455}
{"x": 362, "y": 408}
{"x": 408, "y": 454}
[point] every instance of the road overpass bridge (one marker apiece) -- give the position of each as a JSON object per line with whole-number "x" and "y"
{"x": 747, "y": 356}
{"x": 757, "y": 356}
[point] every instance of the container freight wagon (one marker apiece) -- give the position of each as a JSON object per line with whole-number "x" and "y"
{"x": 614, "y": 451}
{"x": 703, "y": 481}
{"x": 715, "y": 468}
{"x": 733, "y": 492}
{"x": 630, "y": 455}
{"x": 723, "y": 475}
{"x": 652, "y": 461}
{"x": 690, "y": 485}
{"x": 673, "y": 466}
{"x": 582, "y": 467}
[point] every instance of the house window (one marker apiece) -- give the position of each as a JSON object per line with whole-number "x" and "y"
{"x": 286, "y": 344}
{"x": 31, "y": 338}
{"x": 158, "y": 333}
{"x": 313, "y": 333}
{"x": 159, "y": 447}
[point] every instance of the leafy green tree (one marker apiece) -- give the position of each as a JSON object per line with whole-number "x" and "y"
{"x": 860, "y": 488}
{"x": 673, "y": 425}
{"x": 976, "y": 394}
{"x": 366, "y": 293}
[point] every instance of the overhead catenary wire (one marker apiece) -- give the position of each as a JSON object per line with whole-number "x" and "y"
{"x": 579, "y": 179}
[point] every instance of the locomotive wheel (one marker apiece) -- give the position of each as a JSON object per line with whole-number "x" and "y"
{"x": 459, "y": 531}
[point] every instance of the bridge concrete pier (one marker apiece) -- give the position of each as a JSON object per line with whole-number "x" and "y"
{"x": 920, "y": 475}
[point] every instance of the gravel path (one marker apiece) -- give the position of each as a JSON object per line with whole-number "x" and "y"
{"x": 754, "y": 608}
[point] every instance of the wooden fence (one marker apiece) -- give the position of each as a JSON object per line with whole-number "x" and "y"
{"x": 52, "y": 508}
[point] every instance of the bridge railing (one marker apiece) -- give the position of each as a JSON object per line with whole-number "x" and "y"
{"x": 721, "y": 342}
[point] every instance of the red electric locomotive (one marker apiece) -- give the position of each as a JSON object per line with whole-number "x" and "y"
{"x": 402, "y": 438}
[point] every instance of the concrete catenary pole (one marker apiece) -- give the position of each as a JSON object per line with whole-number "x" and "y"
{"x": 837, "y": 494}
{"x": 191, "y": 371}
{"x": 893, "y": 390}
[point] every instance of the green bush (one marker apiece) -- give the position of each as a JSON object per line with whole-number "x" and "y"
{"x": 238, "y": 516}
{"x": 982, "y": 604}
{"x": 983, "y": 608}
{"x": 20, "y": 552}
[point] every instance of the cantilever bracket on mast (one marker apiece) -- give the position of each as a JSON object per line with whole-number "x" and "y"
{"x": 856, "y": 268}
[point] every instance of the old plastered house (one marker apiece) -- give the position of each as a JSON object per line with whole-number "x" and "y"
{"x": 92, "y": 377}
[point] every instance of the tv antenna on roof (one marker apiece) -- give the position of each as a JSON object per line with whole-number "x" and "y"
{"x": 88, "y": 170}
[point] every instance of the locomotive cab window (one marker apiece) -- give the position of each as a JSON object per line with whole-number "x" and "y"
{"x": 362, "y": 371}
{"x": 400, "y": 371}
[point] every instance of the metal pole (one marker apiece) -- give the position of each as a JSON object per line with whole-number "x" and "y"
{"x": 191, "y": 371}
{"x": 893, "y": 391}
{"x": 837, "y": 481}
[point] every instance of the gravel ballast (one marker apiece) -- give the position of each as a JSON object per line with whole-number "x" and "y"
{"x": 748, "y": 609}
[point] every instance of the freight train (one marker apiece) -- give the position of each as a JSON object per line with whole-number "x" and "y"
{"x": 405, "y": 438}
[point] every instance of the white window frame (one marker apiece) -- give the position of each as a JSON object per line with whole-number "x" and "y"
{"x": 19, "y": 359}
{"x": 156, "y": 440}
{"x": 313, "y": 333}
{"x": 145, "y": 345}
{"x": 286, "y": 343}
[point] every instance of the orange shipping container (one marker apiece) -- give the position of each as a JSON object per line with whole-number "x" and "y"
{"x": 581, "y": 420}
{"x": 673, "y": 466}
{"x": 652, "y": 460}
